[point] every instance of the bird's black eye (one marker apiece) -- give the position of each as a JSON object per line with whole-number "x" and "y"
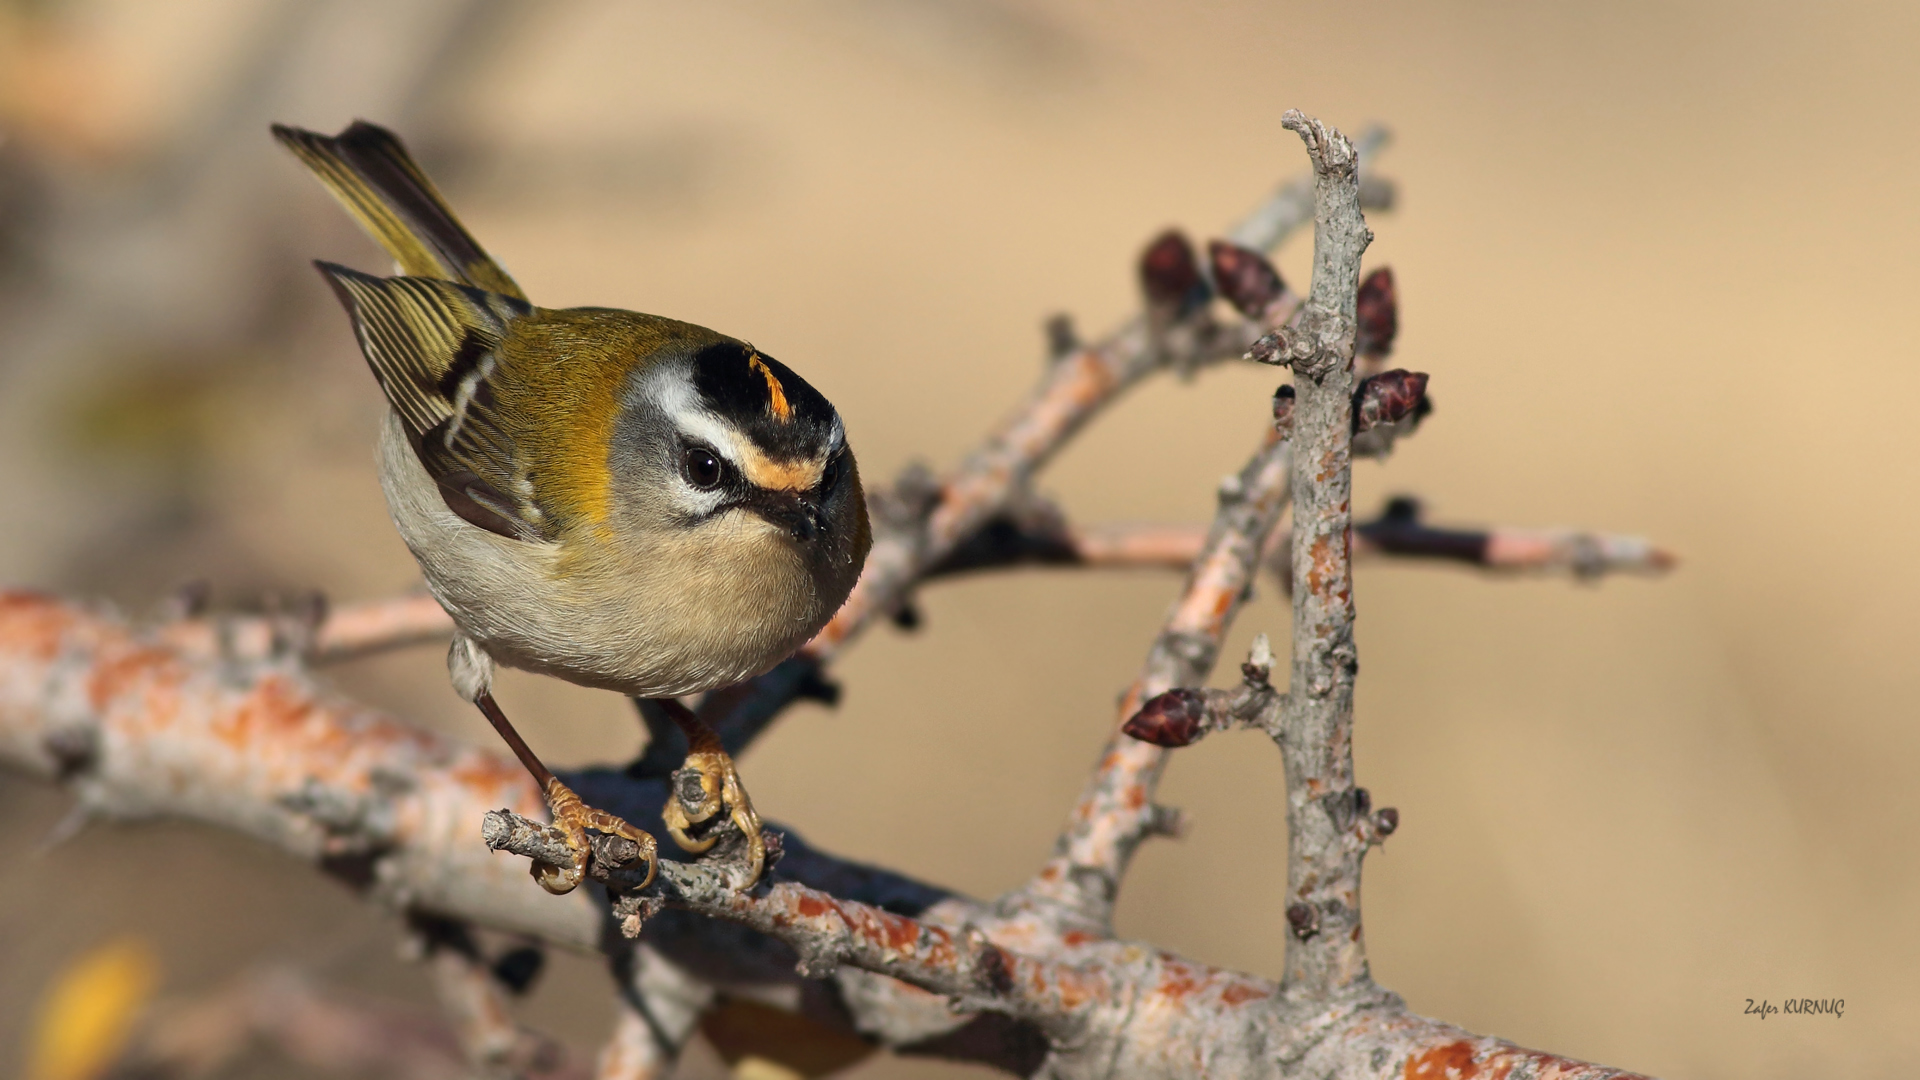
{"x": 830, "y": 476}
{"x": 701, "y": 468}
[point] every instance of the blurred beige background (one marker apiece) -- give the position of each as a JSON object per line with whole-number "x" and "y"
{"x": 1659, "y": 259}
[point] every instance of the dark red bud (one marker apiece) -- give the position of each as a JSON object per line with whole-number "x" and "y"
{"x": 1283, "y": 410}
{"x": 1379, "y": 314}
{"x": 1245, "y": 278}
{"x": 1387, "y": 398}
{"x": 1169, "y": 274}
{"x": 1303, "y": 920}
{"x": 1387, "y": 820}
{"x": 1173, "y": 719}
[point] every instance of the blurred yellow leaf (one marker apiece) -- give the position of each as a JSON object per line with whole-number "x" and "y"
{"x": 90, "y": 1009}
{"x": 759, "y": 1068}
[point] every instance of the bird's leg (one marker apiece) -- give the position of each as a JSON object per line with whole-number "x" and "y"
{"x": 706, "y": 784}
{"x": 571, "y": 816}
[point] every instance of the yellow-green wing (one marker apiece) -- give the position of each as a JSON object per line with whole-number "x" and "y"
{"x": 370, "y": 172}
{"x": 434, "y": 346}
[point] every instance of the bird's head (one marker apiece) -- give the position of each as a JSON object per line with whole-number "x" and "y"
{"x": 713, "y": 433}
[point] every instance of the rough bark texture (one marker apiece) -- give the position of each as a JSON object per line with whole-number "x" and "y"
{"x": 1326, "y": 953}
{"x": 215, "y": 720}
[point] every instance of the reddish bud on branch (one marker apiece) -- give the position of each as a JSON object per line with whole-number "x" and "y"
{"x": 1245, "y": 278}
{"x": 1174, "y": 719}
{"x": 1378, "y": 311}
{"x": 1387, "y": 820}
{"x": 1170, "y": 275}
{"x": 1387, "y": 398}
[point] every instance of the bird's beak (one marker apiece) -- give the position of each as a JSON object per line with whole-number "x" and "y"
{"x": 797, "y": 512}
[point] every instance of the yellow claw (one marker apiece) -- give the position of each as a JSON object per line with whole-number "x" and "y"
{"x": 720, "y": 789}
{"x": 573, "y": 818}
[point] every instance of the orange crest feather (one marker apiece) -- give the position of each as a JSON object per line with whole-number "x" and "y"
{"x": 777, "y": 395}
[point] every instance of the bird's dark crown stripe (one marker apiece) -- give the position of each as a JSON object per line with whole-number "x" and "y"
{"x": 739, "y": 384}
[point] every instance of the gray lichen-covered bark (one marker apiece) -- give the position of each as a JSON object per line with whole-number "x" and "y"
{"x": 1326, "y": 952}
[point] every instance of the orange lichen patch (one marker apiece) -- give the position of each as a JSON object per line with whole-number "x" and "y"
{"x": 1075, "y": 988}
{"x": 897, "y": 931}
{"x": 24, "y": 598}
{"x": 1177, "y": 980}
{"x": 812, "y": 905}
{"x": 276, "y": 715}
{"x": 1222, "y": 603}
{"x": 118, "y": 673}
{"x": 1240, "y": 993}
{"x": 1136, "y": 797}
{"x": 1079, "y": 384}
{"x": 32, "y": 623}
{"x": 1463, "y": 1059}
{"x": 1452, "y": 1061}
{"x": 1325, "y": 566}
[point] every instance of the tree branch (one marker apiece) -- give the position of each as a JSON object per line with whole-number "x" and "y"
{"x": 1399, "y": 530}
{"x": 1326, "y": 955}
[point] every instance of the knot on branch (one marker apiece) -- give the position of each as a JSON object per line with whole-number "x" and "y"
{"x": 1321, "y": 343}
{"x": 905, "y": 505}
{"x": 1063, "y": 340}
{"x": 991, "y": 967}
{"x": 1303, "y": 920}
{"x": 1332, "y": 153}
{"x": 73, "y": 749}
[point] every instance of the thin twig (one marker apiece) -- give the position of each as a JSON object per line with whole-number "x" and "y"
{"x": 314, "y": 631}
{"x": 1326, "y": 954}
{"x": 1116, "y": 810}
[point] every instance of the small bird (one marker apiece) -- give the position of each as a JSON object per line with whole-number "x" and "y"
{"x": 620, "y": 500}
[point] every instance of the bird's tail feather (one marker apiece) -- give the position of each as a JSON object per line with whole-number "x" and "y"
{"x": 370, "y": 172}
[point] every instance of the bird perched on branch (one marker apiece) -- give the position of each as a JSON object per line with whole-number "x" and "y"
{"x": 620, "y": 500}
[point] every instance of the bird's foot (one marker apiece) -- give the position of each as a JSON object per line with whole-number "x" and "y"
{"x": 705, "y": 785}
{"x": 573, "y": 818}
